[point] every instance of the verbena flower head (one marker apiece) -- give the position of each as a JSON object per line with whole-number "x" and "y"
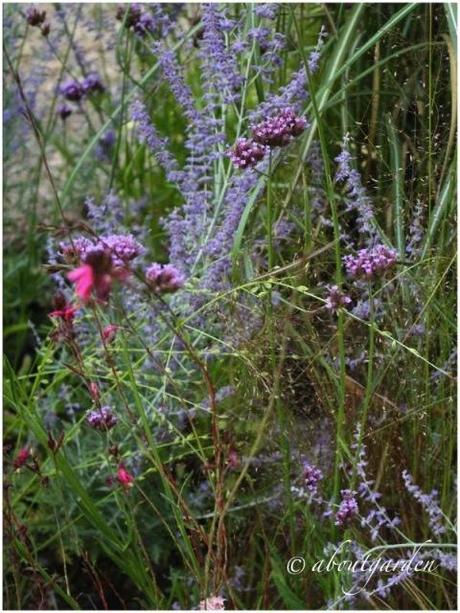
{"x": 123, "y": 247}
{"x": 247, "y": 153}
{"x": 92, "y": 83}
{"x": 312, "y": 476}
{"x": 336, "y": 299}
{"x": 279, "y": 130}
{"x": 72, "y": 90}
{"x": 164, "y": 278}
{"x": 102, "y": 419}
{"x": 213, "y": 603}
{"x": 348, "y": 508}
{"x": 64, "y": 111}
{"x": 370, "y": 262}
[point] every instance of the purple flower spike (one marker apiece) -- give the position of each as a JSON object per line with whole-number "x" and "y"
{"x": 279, "y": 130}
{"x": 102, "y": 419}
{"x": 369, "y": 263}
{"x": 164, "y": 278}
{"x": 246, "y": 153}
{"x": 348, "y": 508}
{"x": 336, "y": 299}
{"x": 72, "y": 90}
{"x": 92, "y": 83}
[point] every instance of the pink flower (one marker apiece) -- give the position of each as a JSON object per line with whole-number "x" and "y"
{"x": 84, "y": 278}
{"x": 124, "y": 477}
{"x": 96, "y": 275}
{"x": 109, "y": 333}
{"x": 21, "y": 458}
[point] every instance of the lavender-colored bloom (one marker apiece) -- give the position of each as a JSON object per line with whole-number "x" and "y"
{"x": 348, "y": 508}
{"x": 147, "y": 134}
{"x": 336, "y": 299}
{"x": 429, "y": 502}
{"x": 247, "y": 153}
{"x": 416, "y": 230}
{"x": 357, "y": 199}
{"x": 105, "y": 145}
{"x": 292, "y": 95}
{"x": 102, "y": 419}
{"x": 278, "y": 131}
{"x": 267, "y": 11}
{"x": 378, "y": 516}
{"x": 92, "y": 83}
{"x": 370, "y": 262}
{"x": 164, "y": 278}
{"x": 146, "y": 23}
{"x": 123, "y": 247}
{"x": 72, "y": 90}
{"x": 312, "y": 476}
{"x": 219, "y": 63}
{"x": 64, "y": 111}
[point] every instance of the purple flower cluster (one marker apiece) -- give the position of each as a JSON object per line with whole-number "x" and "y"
{"x": 370, "y": 262}
{"x": 102, "y": 419}
{"x": 73, "y": 91}
{"x": 348, "y": 508}
{"x": 429, "y": 502}
{"x": 246, "y": 153}
{"x": 312, "y": 476}
{"x": 336, "y": 299}
{"x": 135, "y": 17}
{"x": 122, "y": 247}
{"x": 278, "y": 131}
{"x": 164, "y": 278}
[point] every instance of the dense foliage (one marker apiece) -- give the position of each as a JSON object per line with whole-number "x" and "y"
{"x": 229, "y": 305}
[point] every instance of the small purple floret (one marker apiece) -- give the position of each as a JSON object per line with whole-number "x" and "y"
{"x": 92, "y": 83}
{"x": 336, "y": 299}
{"x": 102, "y": 419}
{"x": 370, "y": 262}
{"x": 312, "y": 476}
{"x": 348, "y": 508}
{"x": 72, "y": 90}
{"x": 246, "y": 153}
{"x": 278, "y": 131}
{"x": 164, "y": 278}
{"x": 64, "y": 111}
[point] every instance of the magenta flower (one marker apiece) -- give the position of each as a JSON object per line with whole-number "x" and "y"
{"x": 124, "y": 477}
{"x": 96, "y": 275}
